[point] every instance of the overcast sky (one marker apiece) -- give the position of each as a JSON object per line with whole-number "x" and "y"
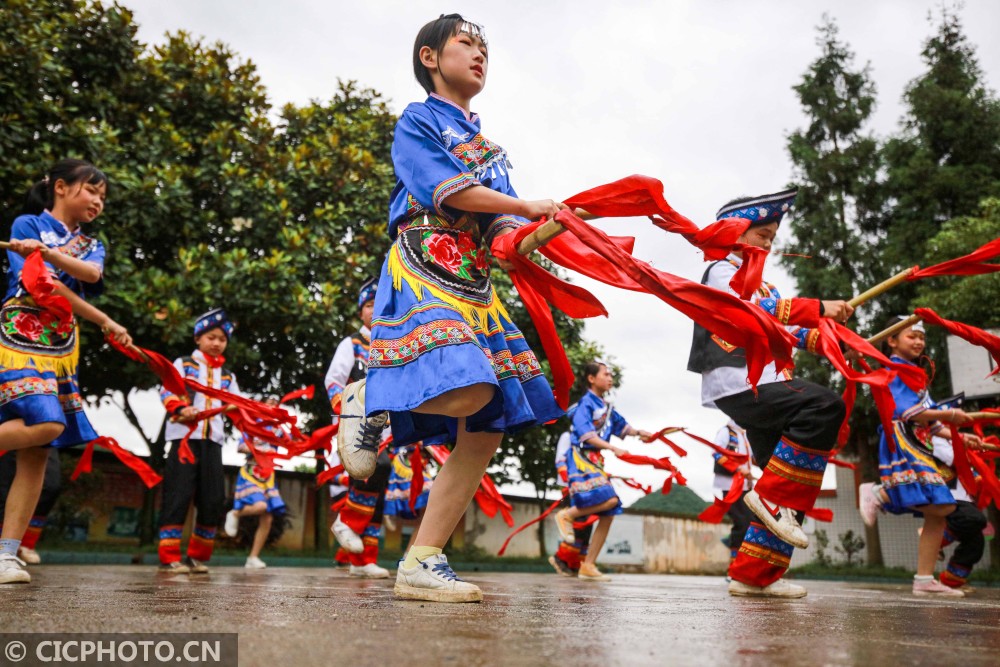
{"x": 695, "y": 93}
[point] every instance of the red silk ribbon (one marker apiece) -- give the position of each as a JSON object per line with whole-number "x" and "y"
{"x": 148, "y": 476}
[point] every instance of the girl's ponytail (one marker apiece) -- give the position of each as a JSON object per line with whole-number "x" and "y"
{"x": 39, "y": 197}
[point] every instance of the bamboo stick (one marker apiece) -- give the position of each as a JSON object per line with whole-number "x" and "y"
{"x": 884, "y": 286}
{"x": 894, "y": 329}
{"x": 4, "y": 245}
{"x": 984, "y": 415}
{"x": 546, "y": 232}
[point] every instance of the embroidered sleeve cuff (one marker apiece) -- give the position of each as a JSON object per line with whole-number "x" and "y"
{"x": 912, "y": 412}
{"x": 500, "y": 223}
{"x": 173, "y": 404}
{"x": 447, "y": 188}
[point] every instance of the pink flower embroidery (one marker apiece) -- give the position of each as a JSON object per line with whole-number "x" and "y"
{"x": 28, "y": 326}
{"x": 444, "y": 251}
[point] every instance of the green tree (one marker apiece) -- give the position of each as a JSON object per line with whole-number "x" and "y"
{"x": 946, "y": 158}
{"x": 837, "y": 163}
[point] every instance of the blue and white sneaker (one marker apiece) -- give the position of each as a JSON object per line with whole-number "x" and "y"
{"x": 433, "y": 580}
{"x": 359, "y": 436}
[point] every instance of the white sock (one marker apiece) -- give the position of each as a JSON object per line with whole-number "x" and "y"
{"x": 923, "y": 577}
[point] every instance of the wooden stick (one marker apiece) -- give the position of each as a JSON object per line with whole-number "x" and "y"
{"x": 984, "y": 415}
{"x": 894, "y": 329}
{"x": 536, "y": 239}
{"x": 546, "y": 232}
{"x": 881, "y": 287}
{"x": 4, "y": 245}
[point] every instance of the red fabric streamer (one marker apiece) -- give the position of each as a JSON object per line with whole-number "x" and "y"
{"x": 659, "y": 435}
{"x": 541, "y": 517}
{"x": 598, "y": 256}
{"x": 831, "y": 335}
{"x": 487, "y": 496}
{"x": 733, "y": 460}
{"x": 719, "y": 507}
{"x": 643, "y": 196}
{"x": 329, "y": 474}
{"x": 38, "y": 281}
{"x": 660, "y": 464}
{"x": 968, "y": 265}
{"x": 843, "y": 464}
{"x": 966, "y": 332}
{"x": 417, "y": 480}
{"x": 820, "y": 514}
{"x": 148, "y": 476}
{"x": 306, "y": 393}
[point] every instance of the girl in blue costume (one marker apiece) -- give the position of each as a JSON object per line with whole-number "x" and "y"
{"x": 910, "y": 479}
{"x": 256, "y": 495}
{"x": 397, "y": 494}
{"x": 39, "y": 394}
{"x": 445, "y": 358}
{"x": 590, "y": 491}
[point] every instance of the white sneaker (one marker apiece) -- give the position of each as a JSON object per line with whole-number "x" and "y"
{"x": 433, "y": 580}
{"x": 346, "y": 537}
{"x": 369, "y": 571}
{"x": 779, "y": 589}
{"x": 783, "y": 525}
{"x": 359, "y": 436}
{"x": 232, "y": 523}
{"x": 29, "y": 556}
{"x": 869, "y": 504}
{"x": 13, "y": 571}
{"x": 254, "y": 563}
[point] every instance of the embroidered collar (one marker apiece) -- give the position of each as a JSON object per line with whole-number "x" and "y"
{"x": 445, "y": 103}
{"x": 210, "y": 361}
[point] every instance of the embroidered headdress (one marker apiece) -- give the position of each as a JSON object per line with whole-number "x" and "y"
{"x": 919, "y": 326}
{"x": 759, "y": 210}
{"x": 215, "y": 318}
{"x": 367, "y": 292}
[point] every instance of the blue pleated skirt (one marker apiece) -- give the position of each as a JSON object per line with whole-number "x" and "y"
{"x": 397, "y": 494}
{"x": 38, "y": 373}
{"x": 438, "y": 326}
{"x": 252, "y": 488}
{"x": 589, "y": 485}
{"x": 909, "y": 475}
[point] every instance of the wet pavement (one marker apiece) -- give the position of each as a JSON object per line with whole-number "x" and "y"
{"x": 313, "y": 616}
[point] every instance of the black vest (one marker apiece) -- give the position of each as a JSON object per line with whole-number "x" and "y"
{"x": 708, "y": 352}
{"x": 719, "y": 468}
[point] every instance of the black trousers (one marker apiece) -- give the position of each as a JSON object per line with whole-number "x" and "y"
{"x": 51, "y": 484}
{"x": 203, "y": 482}
{"x": 805, "y": 413}
{"x": 741, "y": 517}
{"x": 966, "y": 523}
{"x": 377, "y": 483}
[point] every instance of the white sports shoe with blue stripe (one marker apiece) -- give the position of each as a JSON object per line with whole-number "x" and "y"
{"x": 433, "y": 580}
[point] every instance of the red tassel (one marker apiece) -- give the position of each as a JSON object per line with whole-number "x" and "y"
{"x": 38, "y": 281}
{"x": 820, "y": 514}
{"x": 148, "y": 476}
{"x": 966, "y": 332}
{"x": 659, "y": 435}
{"x": 306, "y": 393}
{"x": 967, "y": 265}
{"x": 85, "y": 464}
{"x": 720, "y": 506}
{"x": 417, "y": 479}
{"x": 540, "y": 517}
{"x": 329, "y": 474}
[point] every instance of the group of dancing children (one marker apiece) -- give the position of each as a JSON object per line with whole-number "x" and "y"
{"x": 438, "y": 359}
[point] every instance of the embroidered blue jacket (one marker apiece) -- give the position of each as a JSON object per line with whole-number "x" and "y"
{"x": 595, "y": 417}
{"x": 439, "y": 150}
{"x": 54, "y": 234}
